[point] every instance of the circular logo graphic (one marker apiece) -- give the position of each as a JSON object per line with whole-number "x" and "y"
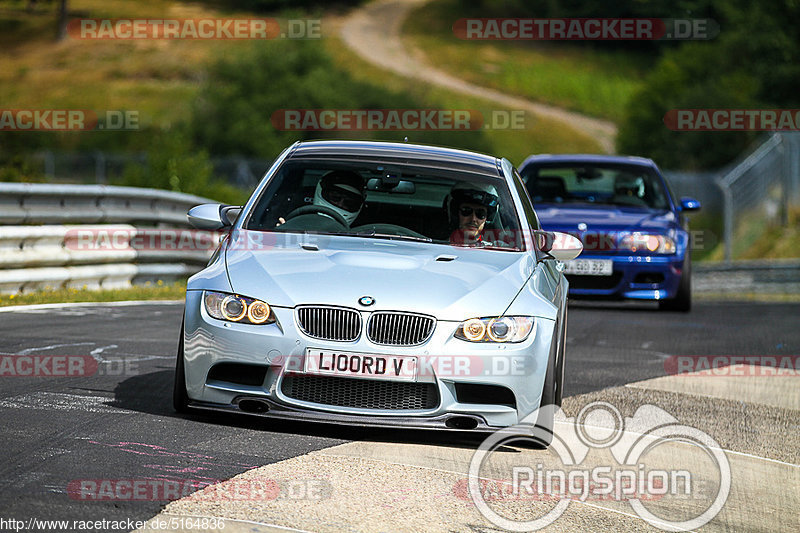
{"x": 582, "y": 226}
{"x": 366, "y": 300}
{"x": 601, "y": 425}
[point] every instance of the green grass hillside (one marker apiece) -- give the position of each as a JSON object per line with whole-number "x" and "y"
{"x": 593, "y": 82}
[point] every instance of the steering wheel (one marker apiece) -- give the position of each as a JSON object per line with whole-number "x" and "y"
{"x": 317, "y": 209}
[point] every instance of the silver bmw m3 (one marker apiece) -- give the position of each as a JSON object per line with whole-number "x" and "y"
{"x": 385, "y": 284}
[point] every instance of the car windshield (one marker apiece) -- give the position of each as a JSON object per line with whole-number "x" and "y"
{"x": 370, "y": 199}
{"x": 618, "y": 185}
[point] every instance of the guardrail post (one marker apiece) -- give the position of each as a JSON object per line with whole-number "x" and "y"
{"x": 99, "y": 167}
{"x": 793, "y": 168}
{"x": 49, "y": 165}
{"x": 727, "y": 208}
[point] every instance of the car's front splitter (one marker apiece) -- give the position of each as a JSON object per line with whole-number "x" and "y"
{"x": 274, "y": 410}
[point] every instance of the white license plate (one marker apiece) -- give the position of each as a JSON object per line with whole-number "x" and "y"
{"x": 589, "y": 267}
{"x": 372, "y": 366}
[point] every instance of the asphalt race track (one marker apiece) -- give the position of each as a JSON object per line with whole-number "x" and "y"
{"x": 118, "y": 423}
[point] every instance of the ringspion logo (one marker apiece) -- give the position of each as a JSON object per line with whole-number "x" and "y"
{"x": 602, "y": 455}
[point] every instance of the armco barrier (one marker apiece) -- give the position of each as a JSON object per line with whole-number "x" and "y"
{"x": 763, "y": 277}
{"x": 44, "y": 203}
{"x": 36, "y": 250}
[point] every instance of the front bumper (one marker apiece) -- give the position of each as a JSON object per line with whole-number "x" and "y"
{"x": 208, "y": 342}
{"x": 634, "y": 276}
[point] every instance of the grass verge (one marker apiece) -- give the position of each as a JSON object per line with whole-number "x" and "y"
{"x": 746, "y": 297}
{"x": 156, "y": 78}
{"x": 594, "y": 82}
{"x": 152, "y": 291}
{"x": 756, "y": 238}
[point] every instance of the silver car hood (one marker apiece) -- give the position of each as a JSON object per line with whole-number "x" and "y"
{"x": 447, "y": 282}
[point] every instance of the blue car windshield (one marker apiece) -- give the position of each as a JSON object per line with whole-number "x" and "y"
{"x": 371, "y": 199}
{"x": 618, "y": 185}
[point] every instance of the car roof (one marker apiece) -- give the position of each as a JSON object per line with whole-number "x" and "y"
{"x": 589, "y": 158}
{"x": 399, "y": 153}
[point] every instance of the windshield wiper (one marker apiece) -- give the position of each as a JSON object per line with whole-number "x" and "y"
{"x": 393, "y": 237}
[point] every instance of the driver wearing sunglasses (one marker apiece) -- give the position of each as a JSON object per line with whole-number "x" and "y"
{"x": 470, "y": 205}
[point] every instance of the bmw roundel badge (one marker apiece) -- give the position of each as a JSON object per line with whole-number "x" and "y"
{"x": 366, "y": 300}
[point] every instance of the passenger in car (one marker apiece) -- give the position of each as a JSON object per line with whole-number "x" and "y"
{"x": 469, "y": 207}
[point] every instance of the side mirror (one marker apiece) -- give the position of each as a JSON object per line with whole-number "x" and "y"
{"x": 213, "y": 216}
{"x": 545, "y": 240}
{"x": 565, "y": 246}
{"x": 689, "y": 204}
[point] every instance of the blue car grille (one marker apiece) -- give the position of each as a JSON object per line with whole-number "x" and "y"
{"x": 399, "y": 329}
{"x": 329, "y": 323}
{"x": 361, "y": 393}
{"x": 594, "y": 282}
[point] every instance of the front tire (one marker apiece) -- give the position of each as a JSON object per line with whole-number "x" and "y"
{"x": 180, "y": 398}
{"x": 683, "y": 298}
{"x": 552, "y": 390}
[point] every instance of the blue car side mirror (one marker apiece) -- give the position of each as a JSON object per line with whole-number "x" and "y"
{"x": 689, "y": 204}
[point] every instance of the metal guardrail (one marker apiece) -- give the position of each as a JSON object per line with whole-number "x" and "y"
{"x": 769, "y": 178}
{"x": 108, "y": 248}
{"x": 762, "y": 277}
{"x": 101, "y": 167}
{"x": 44, "y": 203}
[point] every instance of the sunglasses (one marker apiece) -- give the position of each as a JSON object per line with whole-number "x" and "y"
{"x": 466, "y": 211}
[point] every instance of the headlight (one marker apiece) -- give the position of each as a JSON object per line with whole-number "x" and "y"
{"x": 645, "y": 242}
{"x": 496, "y": 329}
{"x": 235, "y": 308}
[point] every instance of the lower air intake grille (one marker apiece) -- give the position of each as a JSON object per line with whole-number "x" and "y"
{"x": 594, "y": 282}
{"x": 361, "y": 393}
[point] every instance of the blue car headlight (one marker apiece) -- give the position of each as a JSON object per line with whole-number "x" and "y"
{"x": 647, "y": 242}
{"x": 236, "y": 308}
{"x": 496, "y": 329}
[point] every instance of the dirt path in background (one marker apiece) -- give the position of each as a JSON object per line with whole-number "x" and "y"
{"x": 373, "y": 32}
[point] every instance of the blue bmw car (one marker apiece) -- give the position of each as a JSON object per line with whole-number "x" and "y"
{"x": 634, "y": 232}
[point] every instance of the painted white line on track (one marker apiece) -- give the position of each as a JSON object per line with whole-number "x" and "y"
{"x": 724, "y": 450}
{"x": 58, "y": 401}
{"x": 28, "y": 351}
{"x": 238, "y": 521}
{"x": 124, "y": 303}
